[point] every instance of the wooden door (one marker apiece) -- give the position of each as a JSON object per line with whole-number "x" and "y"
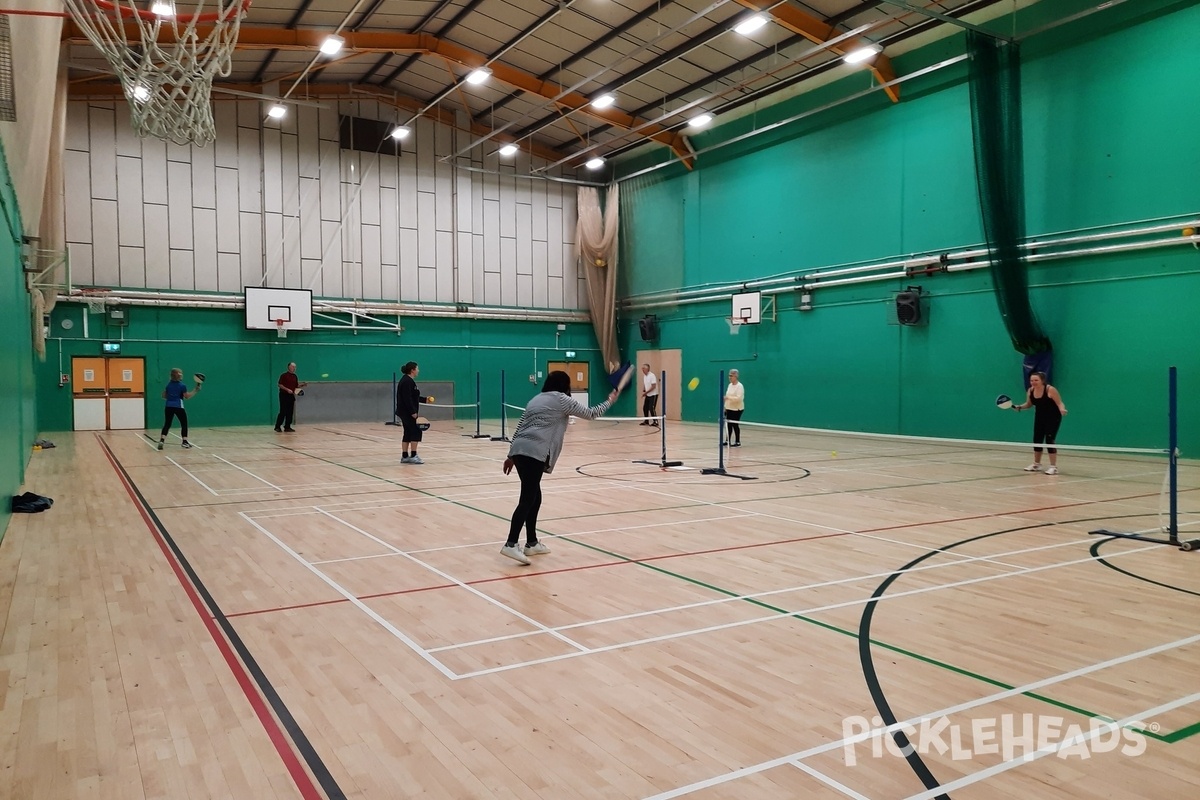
{"x": 660, "y": 361}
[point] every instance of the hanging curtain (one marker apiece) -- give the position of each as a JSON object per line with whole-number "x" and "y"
{"x": 596, "y": 251}
{"x": 995, "y": 75}
{"x": 51, "y": 232}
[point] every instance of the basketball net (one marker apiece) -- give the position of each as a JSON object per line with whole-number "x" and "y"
{"x": 280, "y": 331}
{"x": 166, "y": 61}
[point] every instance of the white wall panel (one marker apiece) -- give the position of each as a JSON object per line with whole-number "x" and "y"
{"x": 106, "y": 269}
{"x": 426, "y": 232}
{"x": 104, "y": 153}
{"x": 78, "y": 199}
{"x": 408, "y": 265}
{"x": 129, "y": 204}
{"x": 204, "y": 178}
{"x": 179, "y": 205}
{"x": 229, "y": 272}
{"x": 409, "y": 227}
{"x": 253, "y": 266}
{"x": 508, "y": 271}
{"x": 133, "y": 266}
{"x": 154, "y": 171}
{"x": 250, "y": 233}
{"x": 158, "y": 247}
{"x": 205, "y": 262}
{"x": 389, "y": 235}
{"x": 331, "y": 264}
{"x": 228, "y": 235}
{"x": 82, "y": 268}
{"x": 182, "y": 274}
{"x": 128, "y": 143}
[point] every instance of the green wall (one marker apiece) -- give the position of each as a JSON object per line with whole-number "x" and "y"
{"x": 242, "y": 366}
{"x": 1109, "y": 139}
{"x": 18, "y": 418}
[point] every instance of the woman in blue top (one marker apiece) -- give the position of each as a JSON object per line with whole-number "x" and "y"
{"x": 175, "y": 393}
{"x": 536, "y": 445}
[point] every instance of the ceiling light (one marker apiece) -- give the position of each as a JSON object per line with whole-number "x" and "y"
{"x": 277, "y": 111}
{"x": 862, "y": 54}
{"x": 479, "y": 76}
{"x": 162, "y": 8}
{"x": 595, "y": 163}
{"x": 604, "y": 101}
{"x": 750, "y": 25}
{"x": 700, "y": 120}
{"x": 141, "y": 93}
{"x": 332, "y": 45}
{"x": 509, "y": 150}
{"x": 400, "y": 132}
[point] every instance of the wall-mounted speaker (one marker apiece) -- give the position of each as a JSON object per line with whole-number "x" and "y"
{"x": 908, "y": 306}
{"x": 648, "y": 326}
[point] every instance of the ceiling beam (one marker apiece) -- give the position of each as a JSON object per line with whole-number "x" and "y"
{"x": 818, "y": 31}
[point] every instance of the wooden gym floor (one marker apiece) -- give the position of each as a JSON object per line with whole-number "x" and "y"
{"x": 284, "y": 616}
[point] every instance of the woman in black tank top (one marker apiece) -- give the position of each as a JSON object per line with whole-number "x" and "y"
{"x": 1047, "y": 416}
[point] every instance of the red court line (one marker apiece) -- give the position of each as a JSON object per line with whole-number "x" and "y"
{"x": 282, "y": 744}
{"x": 648, "y": 559}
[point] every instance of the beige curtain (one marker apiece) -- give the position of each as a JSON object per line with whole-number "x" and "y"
{"x": 51, "y": 232}
{"x": 596, "y": 249}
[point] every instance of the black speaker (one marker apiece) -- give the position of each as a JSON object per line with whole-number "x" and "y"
{"x": 908, "y": 306}
{"x": 649, "y": 328}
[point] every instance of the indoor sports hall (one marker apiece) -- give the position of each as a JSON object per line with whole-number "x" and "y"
{"x": 877, "y": 475}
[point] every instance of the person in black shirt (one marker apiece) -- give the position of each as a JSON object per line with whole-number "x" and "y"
{"x": 408, "y": 408}
{"x": 1048, "y": 412}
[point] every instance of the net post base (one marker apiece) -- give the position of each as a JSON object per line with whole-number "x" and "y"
{"x": 477, "y": 435}
{"x": 500, "y": 439}
{"x": 661, "y": 464}
{"x": 1187, "y": 545}
{"x": 721, "y": 471}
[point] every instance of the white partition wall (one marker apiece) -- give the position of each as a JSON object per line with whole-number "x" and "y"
{"x": 281, "y": 204}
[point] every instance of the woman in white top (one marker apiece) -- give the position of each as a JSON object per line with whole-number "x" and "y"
{"x": 536, "y": 446}
{"x": 735, "y": 404}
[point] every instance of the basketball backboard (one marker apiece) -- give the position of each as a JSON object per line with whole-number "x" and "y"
{"x": 265, "y": 307}
{"x": 747, "y": 309}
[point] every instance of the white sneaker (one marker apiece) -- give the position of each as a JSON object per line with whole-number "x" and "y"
{"x": 160, "y": 445}
{"x": 515, "y": 554}
{"x": 538, "y": 549}
{"x": 1034, "y": 468}
{"x": 1051, "y": 470}
{"x": 405, "y": 459}
{"x": 416, "y": 459}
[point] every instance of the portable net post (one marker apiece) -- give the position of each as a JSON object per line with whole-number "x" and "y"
{"x": 1171, "y": 529}
{"x": 503, "y": 413}
{"x": 165, "y": 59}
{"x": 720, "y": 468}
{"x": 478, "y": 413}
{"x": 394, "y": 389}
{"x": 662, "y": 428}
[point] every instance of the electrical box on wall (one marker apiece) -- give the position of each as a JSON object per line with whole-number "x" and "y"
{"x": 118, "y": 317}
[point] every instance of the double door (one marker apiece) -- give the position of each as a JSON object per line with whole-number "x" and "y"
{"x": 108, "y": 393}
{"x": 579, "y": 371}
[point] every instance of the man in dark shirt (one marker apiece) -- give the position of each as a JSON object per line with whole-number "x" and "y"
{"x": 289, "y": 387}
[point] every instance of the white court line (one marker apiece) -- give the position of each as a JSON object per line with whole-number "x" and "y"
{"x": 828, "y": 781}
{"x": 792, "y": 614}
{"x": 916, "y": 721}
{"x": 211, "y": 490}
{"x": 1051, "y": 749}
{"x": 582, "y": 650}
{"x": 248, "y": 472}
{"x": 146, "y": 440}
{"x": 416, "y": 648}
{"x": 760, "y": 595}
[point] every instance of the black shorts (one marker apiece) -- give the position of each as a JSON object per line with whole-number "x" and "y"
{"x": 412, "y": 431}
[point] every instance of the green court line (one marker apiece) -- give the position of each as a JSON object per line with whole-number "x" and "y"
{"x": 1169, "y": 738}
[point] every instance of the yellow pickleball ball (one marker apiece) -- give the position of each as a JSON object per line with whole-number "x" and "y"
{"x": 692, "y": 384}
{"x": 1189, "y": 231}
{"x": 429, "y": 399}
{"x": 834, "y": 454}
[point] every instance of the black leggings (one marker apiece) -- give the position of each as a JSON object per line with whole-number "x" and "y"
{"x": 1045, "y": 430}
{"x": 526, "y": 513}
{"x": 287, "y": 409}
{"x": 735, "y": 430}
{"x": 170, "y": 415}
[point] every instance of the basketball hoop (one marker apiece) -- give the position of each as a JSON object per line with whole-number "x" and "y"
{"x": 736, "y": 323}
{"x": 168, "y": 62}
{"x": 280, "y": 331}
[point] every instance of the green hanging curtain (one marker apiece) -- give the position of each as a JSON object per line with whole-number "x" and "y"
{"x": 999, "y": 170}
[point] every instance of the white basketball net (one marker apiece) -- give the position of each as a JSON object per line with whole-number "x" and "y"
{"x": 166, "y": 63}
